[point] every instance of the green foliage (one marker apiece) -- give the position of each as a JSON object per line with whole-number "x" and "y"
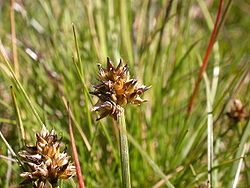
{"x": 163, "y": 139}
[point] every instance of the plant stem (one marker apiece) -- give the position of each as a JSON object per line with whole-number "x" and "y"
{"x": 124, "y": 152}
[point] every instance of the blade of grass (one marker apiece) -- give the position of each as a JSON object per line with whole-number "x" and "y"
{"x": 10, "y": 149}
{"x": 209, "y": 133}
{"x": 19, "y": 119}
{"x": 74, "y": 151}
{"x": 3, "y": 55}
{"x": 81, "y": 74}
{"x": 236, "y": 179}
{"x": 77, "y": 50}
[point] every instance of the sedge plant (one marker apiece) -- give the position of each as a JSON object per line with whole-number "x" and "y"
{"x": 114, "y": 92}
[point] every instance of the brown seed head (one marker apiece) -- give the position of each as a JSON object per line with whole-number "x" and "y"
{"x": 116, "y": 90}
{"x": 46, "y": 161}
{"x": 238, "y": 111}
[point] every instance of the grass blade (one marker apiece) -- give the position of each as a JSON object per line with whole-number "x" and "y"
{"x": 81, "y": 75}
{"x": 19, "y": 119}
{"x": 236, "y": 179}
{"x": 3, "y": 55}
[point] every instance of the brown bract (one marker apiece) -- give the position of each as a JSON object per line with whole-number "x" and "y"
{"x": 116, "y": 90}
{"x": 46, "y": 161}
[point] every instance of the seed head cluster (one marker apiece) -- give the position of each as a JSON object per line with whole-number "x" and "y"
{"x": 116, "y": 90}
{"x": 45, "y": 160}
{"x": 238, "y": 111}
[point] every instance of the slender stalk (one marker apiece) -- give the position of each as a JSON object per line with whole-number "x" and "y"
{"x": 77, "y": 49}
{"x": 206, "y": 57}
{"x": 237, "y": 175}
{"x": 74, "y": 151}
{"x": 8, "y": 146}
{"x": 10, "y": 149}
{"x": 19, "y": 119}
{"x": 209, "y": 131}
{"x": 124, "y": 152}
{"x": 81, "y": 75}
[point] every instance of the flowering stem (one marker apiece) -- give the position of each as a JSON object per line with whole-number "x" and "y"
{"x": 124, "y": 152}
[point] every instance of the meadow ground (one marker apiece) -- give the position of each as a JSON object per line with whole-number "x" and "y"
{"x": 164, "y": 44}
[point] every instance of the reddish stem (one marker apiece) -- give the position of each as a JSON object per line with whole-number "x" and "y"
{"x": 205, "y": 60}
{"x": 75, "y": 154}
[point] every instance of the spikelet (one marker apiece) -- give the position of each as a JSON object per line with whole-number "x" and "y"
{"x": 238, "y": 111}
{"x": 116, "y": 90}
{"x": 46, "y": 161}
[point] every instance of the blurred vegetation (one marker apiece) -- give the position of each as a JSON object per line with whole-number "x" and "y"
{"x": 163, "y": 43}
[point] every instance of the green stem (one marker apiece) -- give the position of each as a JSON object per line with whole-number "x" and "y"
{"x": 124, "y": 151}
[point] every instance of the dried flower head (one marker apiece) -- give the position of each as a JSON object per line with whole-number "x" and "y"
{"x": 46, "y": 161}
{"x": 238, "y": 111}
{"x": 116, "y": 90}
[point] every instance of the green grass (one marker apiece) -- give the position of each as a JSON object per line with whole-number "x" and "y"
{"x": 162, "y": 51}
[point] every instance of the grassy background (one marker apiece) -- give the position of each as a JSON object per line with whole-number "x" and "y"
{"x": 163, "y": 49}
